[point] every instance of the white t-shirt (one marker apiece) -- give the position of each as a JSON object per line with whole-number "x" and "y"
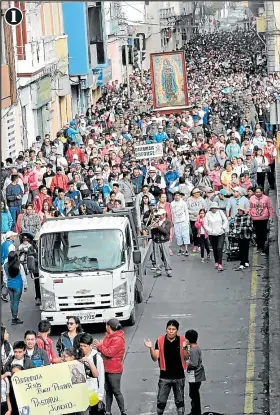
{"x": 5, "y": 389}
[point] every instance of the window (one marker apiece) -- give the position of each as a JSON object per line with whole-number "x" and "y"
{"x": 77, "y": 251}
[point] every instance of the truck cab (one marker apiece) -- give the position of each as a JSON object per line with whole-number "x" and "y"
{"x": 91, "y": 267}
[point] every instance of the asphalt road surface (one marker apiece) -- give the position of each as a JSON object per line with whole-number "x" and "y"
{"x": 228, "y": 311}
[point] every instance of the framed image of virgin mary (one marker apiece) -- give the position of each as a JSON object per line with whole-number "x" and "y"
{"x": 169, "y": 79}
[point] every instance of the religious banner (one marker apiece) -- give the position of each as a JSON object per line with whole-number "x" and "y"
{"x": 169, "y": 79}
{"x": 147, "y": 151}
{"x": 52, "y": 390}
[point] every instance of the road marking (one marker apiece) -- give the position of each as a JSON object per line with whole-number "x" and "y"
{"x": 168, "y": 316}
{"x": 250, "y": 370}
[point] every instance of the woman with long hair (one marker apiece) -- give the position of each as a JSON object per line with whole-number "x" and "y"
{"x": 45, "y": 213}
{"x": 71, "y": 337}
{"x": 14, "y": 279}
{"x": 262, "y": 167}
{"x": 6, "y": 347}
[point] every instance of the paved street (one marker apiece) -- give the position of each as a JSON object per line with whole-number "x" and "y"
{"x": 226, "y": 309}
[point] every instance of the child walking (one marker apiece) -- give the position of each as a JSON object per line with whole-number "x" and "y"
{"x": 195, "y": 371}
{"x": 202, "y": 234}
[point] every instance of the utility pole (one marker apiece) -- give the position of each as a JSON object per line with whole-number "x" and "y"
{"x": 127, "y": 70}
{"x": 270, "y": 36}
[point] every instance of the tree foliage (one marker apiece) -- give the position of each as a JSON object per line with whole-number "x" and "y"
{"x": 211, "y": 7}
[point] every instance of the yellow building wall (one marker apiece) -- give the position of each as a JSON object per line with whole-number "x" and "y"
{"x": 55, "y": 124}
{"x": 69, "y": 108}
{"x": 53, "y": 23}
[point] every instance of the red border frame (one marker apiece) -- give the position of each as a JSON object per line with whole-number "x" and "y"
{"x": 182, "y": 53}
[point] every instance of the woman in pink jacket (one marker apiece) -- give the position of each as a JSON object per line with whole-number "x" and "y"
{"x": 261, "y": 212}
{"x": 202, "y": 234}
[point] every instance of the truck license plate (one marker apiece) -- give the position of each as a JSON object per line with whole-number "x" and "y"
{"x": 86, "y": 317}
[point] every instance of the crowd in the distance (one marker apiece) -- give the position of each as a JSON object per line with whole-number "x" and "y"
{"x": 210, "y": 184}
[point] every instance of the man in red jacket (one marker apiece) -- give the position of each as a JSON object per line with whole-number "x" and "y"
{"x": 74, "y": 150}
{"x": 60, "y": 180}
{"x": 112, "y": 349}
{"x": 171, "y": 353}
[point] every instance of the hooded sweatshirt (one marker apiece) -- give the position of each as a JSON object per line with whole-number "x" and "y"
{"x": 112, "y": 350}
{"x": 260, "y": 208}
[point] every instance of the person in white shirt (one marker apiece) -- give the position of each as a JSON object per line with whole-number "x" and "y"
{"x": 259, "y": 141}
{"x": 181, "y": 221}
{"x": 95, "y": 377}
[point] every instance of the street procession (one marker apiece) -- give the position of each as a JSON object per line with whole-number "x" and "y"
{"x": 139, "y": 215}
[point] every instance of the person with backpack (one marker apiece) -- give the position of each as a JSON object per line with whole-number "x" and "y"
{"x": 14, "y": 279}
{"x": 45, "y": 343}
{"x": 6, "y": 247}
{"x": 95, "y": 375}
{"x": 71, "y": 337}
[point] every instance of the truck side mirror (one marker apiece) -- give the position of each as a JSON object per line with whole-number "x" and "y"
{"x": 137, "y": 257}
{"x": 31, "y": 264}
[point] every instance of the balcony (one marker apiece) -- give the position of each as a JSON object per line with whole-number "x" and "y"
{"x": 36, "y": 56}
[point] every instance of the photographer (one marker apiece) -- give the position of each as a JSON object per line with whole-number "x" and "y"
{"x": 160, "y": 230}
{"x": 92, "y": 207}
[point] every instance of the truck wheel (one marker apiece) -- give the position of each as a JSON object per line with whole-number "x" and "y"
{"x": 139, "y": 296}
{"x": 132, "y": 319}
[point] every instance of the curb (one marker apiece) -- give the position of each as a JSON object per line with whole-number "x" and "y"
{"x": 274, "y": 309}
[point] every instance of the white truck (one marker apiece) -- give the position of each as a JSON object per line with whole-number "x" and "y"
{"x": 91, "y": 267}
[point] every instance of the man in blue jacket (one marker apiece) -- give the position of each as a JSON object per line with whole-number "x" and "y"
{"x": 171, "y": 179}
{"x": 73, "y": 193}
{"x": 14, "y": 195}
{"x": 160, "y": 136}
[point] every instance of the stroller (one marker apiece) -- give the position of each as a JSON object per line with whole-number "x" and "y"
{"x": 232, "y": 251}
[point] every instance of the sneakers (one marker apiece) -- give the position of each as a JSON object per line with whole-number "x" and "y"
{"x": 170, "y": 252}
{"x": 202, "y": 259}
{"x": 169, "y": 274}
{"x": 186, "y": 253}
{"x": 216, "y": 265}
{"x": 195, "y": 249}
{"x": 179, "y": 252}
{"x": 247, "y": 264}
{"x": 208, "y": 257}
{"x": 4, "y": 298}
{"x": 240, "y": 268}
{"x": 16, "y": 321}
{"x": 37, "y": 301}
{"x": 263, "y": 254}
{"x": 153, "y": 267}
{"x": 220, "y": 267}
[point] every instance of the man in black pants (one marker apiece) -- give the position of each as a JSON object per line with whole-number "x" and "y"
{"x": 33, "y": 252}
{"x": 170, "y": 352}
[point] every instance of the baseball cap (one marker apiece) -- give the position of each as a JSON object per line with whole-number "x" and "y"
{"x": 114, "y": 324}
{"x": 10, "y": 234}
{"x": 223, "y": 192}
{"x": 237, "y": 189}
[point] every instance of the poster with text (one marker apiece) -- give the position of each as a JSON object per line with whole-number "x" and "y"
{"x": 51, "y": 390}
{"x": 169, "y": 79}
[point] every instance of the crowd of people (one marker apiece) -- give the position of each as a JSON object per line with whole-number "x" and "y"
{"x": 210, "y": 185}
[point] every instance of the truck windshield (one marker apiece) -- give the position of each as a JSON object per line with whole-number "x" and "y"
{"x": 98, "y": 249}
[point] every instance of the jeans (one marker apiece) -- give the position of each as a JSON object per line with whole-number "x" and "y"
{"x": 162, "y": 256}
{"x": 37, "y": 287}
{"x": 14, "y": 211}
{"x": 195, "y": 398}
{"x": 243, "y": 245}
{"x": 15, "y": 295}
{"x": 204, "y": 243}
{"x": 194, "y": 233}
{"x": 271, "y": 176}
{"x": 113, "y": 388}
{"x": 164, "y": 388}
{"x": 260, "y": 227}
{"x": 217, "y": 243}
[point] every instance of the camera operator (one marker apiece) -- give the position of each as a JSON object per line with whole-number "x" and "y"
{"x": 92, "y": 207}
{"x": 160, "y": 231}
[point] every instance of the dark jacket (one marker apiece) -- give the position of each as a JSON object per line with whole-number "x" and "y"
{"x": 92, "y": 207}
{"x": 39, "y": 357}
{"x": 64, "y": 342}
{"x": 162, "y": 233}
{"x": 27, "y": 364}
{"x": 12, "y": 191}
